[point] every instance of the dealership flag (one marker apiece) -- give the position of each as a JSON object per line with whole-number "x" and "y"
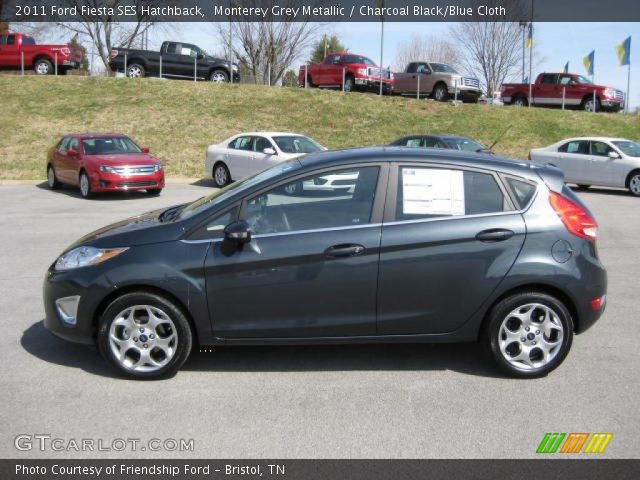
{"x": 588, "y": 62}
{"x": 566, "y": 67}
{"x": 624, "y": 52}
{"x": 530, "y": 36}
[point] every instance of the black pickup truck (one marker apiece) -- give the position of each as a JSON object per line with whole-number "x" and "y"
{"x": 174, "y": 60}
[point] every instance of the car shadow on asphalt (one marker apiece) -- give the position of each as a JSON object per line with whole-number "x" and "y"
{"x": 465, "y": 358}
{"x": 618, "y": 192}
{"x": 74, "y": 192}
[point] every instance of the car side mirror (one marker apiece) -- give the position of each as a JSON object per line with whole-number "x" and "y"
{"x": 613, "y": 155}
{"x": 269, "y": 151}
{"x": 238, "y": 232}
{"x": 145, "y": 149}
{"x": 72, "y": 153}
{"x": 200, "y": 56}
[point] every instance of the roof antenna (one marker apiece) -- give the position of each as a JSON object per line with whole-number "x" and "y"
{"x": 500, "y": 137}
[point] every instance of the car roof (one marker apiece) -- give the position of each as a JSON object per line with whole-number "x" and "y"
{"x": 268, "y": 134}
{"x": 95, "y": 135}
{"x": 596, "y": 139}
{"x": 418, "y": 155}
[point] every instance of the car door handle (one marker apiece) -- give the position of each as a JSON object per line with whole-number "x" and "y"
{"x": 343, "y": 250}
{"x": 494, "y": 235}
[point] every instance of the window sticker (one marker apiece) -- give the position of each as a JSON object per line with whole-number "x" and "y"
{"x": 432, "y": 192}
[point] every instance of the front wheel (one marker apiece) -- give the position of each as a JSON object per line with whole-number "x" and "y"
{"x": 144, "y": 336}
{"x": 441, "y": 93}
{"x": 221, "y": 175}
{"x": 219, "y": 76}
{"x": 588, "y": 104}
{"x": 85, "y": 185}
{"x": 349, "y": 82}
{"x": 634, "y": 184}
{"x": 529, "y": 334}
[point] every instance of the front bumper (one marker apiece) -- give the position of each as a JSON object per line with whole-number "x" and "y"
{"x": 373, "y": 83}
{"x": 465, "y": 93}
{"x": 611, "y": 104}
{"x": 112, "y": 182}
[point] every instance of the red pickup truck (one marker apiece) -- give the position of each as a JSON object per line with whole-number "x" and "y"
{"x": 40, "y": 58}
{"x": 578, "y": 92}
{"x": 358, "y": 71}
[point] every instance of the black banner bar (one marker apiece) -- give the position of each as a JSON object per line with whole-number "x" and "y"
{"x": 543, "y": 469}
{"x": 320, "y": 10}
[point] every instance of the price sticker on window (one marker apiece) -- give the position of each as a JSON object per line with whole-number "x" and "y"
{"x": 432, "y": 191}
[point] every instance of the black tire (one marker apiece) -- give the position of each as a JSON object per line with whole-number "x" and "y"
{"x": 52, "y": 179}
{"x": 310, "y": 82}
{"x": 182, "y": 347}
{"x": 520, "y": 101}
{"x": 441, "y": 93}
{"x": 136, "y": 70}
{"x": 42, "y": 66}
{"x": 154, "y": 191}
{"x": 582, "y": 186}
{"x": 219, "y": 76}
{"x": 633, "y": 183}
{"x": 490, "y": 336}
{"x": 221, "y": 175}
{"x": 85, "y": 188}
{"x": 349, "y": 83}
{"x": 587, "y": 102}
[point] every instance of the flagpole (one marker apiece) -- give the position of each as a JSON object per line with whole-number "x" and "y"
{"x": 530, "y": 58}
{"x": 626, "y": 102}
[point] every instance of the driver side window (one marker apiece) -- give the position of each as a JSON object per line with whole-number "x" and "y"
{"x": 330, "y": 199}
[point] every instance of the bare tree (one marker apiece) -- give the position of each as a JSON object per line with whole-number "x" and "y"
{"x": 267, "y": 48}
{"x": 104, "y": 32}
{"x": 491, "y": 48}
{"x": 427, "y": 48}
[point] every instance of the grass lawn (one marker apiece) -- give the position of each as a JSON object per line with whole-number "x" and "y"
{"x": 178, "y": 119}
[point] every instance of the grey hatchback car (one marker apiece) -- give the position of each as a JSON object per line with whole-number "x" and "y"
{"x": 384, "y": 244}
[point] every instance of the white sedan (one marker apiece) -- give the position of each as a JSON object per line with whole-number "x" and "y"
{"x": 248, "y": 153}
{"x": 586, "y": 161}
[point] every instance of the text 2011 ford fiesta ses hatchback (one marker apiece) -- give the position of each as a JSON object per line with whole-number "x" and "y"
{"x": 402, "y": 245}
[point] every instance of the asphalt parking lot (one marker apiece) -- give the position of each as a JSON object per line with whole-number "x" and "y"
{"x": 365, "y": 401}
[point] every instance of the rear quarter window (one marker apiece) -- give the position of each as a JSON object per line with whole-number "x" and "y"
{"x": 522, "y": 191}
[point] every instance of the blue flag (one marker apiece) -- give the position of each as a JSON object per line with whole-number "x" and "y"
{"x": 624, "y": 52}
{"x": 588, "y": 62}
{"x": 566, "y": 67}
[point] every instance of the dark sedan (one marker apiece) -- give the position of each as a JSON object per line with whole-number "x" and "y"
{"x": 453, "y": 142}
{"x": 424, "y": 246}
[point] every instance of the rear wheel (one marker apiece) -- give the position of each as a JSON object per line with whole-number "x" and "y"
{"x": 43, "y": 66}
{"x": 135, "y": 70}
{"x": 520, "y": 101}
{"x": 634, "y": 183}
{"x": 529, "y": 334}
{"x": 144, "y": 336}
{"x": 221, "y": 175}
{"x": 85, "y": 185}
{"x": 52, "y": 180}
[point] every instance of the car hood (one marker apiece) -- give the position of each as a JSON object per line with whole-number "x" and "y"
{"x": 123, "y": 159}
{"x": 139, "y": 230}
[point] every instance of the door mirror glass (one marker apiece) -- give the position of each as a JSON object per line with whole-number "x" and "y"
{"x": 269, "y": 151}
{"x": 145, "y": 150}
{"x": 72, "y": 153}
{"x": 613, "y": 155}
{"x": 238, "y": 232}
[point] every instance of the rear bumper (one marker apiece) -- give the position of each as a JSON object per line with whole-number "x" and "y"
{"x": 372, "y": 83}
{"x": 110, "y": 182}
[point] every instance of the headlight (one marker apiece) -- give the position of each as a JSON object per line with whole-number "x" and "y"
{"x": 363, "y": 72}
{"x": 157, "y": 167}
{"x": 85, "y": 256}
{"x": 108, "y": 169}
{"x": 609, "y": 92}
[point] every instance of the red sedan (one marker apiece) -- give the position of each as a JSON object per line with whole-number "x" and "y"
{"x": 103, "y": 163}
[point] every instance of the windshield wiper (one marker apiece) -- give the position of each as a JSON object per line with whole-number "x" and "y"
{"x": 171, "y": 212}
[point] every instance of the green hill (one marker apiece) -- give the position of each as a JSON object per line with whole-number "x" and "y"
{"x": 178, "y": 119}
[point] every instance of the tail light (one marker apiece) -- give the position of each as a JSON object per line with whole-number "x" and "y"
{"x": 114, "y": 53}
{"x": 574, "y": 217}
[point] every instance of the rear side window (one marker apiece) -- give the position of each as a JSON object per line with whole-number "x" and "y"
{"x": 11, "y": 40}
{"x": 241, "y": 143}
{"x": 577, "y": 146}
{"x": 549, "y": 79}
{"x": 437, "y": 192}
{"x": 62, "y": 146}
{"x": 522, "y": 191}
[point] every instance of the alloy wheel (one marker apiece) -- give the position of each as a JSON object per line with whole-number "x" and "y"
{"x": 220, "y": 176}
{"x": 218, "y": 77}
{"x": 143, "y": 338}
{"x": 51, "y": 177}
{"x": 135, "y": 71}
{"x": 531, "y": 336}
{"x": 84, "y": 185}
{"x": 42, "y": 68}
{"x": 634, "y": 184}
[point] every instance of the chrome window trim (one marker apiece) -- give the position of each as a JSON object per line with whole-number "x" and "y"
{"x": 452, "y": 217}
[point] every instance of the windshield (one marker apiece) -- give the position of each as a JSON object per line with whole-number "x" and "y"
{"x": 109, "y": 146}
{"x": 359, "y": 59}
{"x": 632, "y": 149}
{"x": 220, "y": 195}
{"x": 442, "y": 68}
{"x": 296, "y": 144}
{"x": 464, "y": 144}
{"x": 582, "y": 79}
